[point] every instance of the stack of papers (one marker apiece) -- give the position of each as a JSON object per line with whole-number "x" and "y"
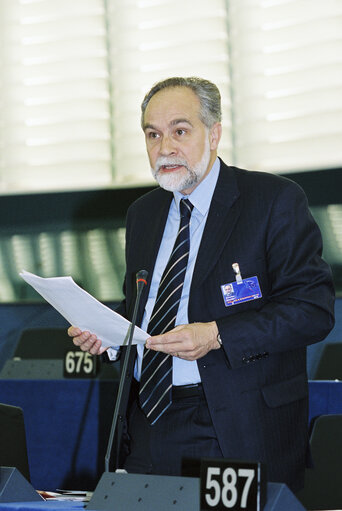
{"x": 81, "y": 309}
{"x": 69, "y": 495}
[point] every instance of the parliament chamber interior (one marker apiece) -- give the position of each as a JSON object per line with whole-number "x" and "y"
{"x": 73, "y": 159}
{"x": 68, "y": 419}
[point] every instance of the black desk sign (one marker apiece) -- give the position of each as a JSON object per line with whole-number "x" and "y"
{"x": 80, "y": 364}
{"x": 231, "y": 484}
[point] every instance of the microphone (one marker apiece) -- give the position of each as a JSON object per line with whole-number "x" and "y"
{"x": 141, "y": 281}
{"x": 123, "y": 491}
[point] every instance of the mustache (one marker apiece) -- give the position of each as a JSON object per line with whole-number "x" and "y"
{"x": 164, "y": 161}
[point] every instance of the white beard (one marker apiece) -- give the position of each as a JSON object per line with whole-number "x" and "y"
{"x": 178, "y": 181}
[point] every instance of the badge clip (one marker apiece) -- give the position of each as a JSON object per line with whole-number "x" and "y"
{"x": 237, "y": 272}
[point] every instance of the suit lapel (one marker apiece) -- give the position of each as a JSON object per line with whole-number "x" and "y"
{"x": 223, "y": 214}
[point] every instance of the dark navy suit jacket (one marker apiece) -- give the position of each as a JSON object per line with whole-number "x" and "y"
{"x": 256, "y": 385}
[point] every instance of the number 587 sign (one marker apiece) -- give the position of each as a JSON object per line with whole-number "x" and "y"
{"x": 234, "y": 485}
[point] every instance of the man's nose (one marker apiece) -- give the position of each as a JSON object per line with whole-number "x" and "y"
{"x": 167, "y": 146}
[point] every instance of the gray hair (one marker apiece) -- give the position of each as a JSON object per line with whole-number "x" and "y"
{"x": 207, "y": 93}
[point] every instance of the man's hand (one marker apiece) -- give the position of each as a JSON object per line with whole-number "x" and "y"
{"x": 86, "y": 341}
{"x": 188, "y": 342}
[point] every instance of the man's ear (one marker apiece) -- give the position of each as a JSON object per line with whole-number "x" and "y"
{"x": 215, "y": 135}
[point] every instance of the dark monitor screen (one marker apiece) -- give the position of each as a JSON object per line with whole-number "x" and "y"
{"x": 13, "y": 448}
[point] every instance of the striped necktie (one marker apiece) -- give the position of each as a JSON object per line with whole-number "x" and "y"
{"x": 155, "y": 394}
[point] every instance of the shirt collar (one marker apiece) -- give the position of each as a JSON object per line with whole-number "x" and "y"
{"x": 203, "y": 193}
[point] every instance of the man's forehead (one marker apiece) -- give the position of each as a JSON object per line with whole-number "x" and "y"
{"x": 174, "y": 105}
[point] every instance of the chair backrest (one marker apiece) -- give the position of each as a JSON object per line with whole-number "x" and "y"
{"x": 323, "y": 483}
{"x": 13, "y": 447}
{"x": 43, "y": 343}
{"x": 330, "y": 363}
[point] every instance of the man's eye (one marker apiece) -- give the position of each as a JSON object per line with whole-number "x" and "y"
{"x": 152, "y": 134}
{"x": 180, "y": 131}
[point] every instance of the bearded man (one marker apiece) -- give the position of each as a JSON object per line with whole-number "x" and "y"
{"x": 220, "y": 376}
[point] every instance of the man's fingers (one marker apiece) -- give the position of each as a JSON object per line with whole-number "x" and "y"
{"x": 73, "y": 331}
{"x": 92, "y": 345}
{"x": 178, "y": 339}
{"x": 178, "y": 334}
{"x": 190, "y": 342}
{"x": 95, "y": 348}
{"x": 84, "y": 337}
{"x": 86, "y": 341}
{"x": 170, "y": 347}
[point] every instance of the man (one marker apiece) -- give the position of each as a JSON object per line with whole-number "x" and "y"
{"x": 239, "y": 382}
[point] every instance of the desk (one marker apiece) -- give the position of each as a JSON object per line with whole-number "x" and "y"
{"x": 68, "y": 423}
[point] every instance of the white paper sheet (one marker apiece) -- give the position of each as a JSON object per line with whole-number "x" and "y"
{"x": 81, "y": 309}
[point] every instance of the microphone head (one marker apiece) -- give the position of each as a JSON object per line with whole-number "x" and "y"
{"x": 142, "y": 276}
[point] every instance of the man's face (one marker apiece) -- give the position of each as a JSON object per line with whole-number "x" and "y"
{"x": 181, "y": 149}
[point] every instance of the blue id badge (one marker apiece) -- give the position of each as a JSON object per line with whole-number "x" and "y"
{"x": 243, "y": 290}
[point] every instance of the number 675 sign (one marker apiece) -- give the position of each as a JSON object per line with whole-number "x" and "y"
{"x": 235, "y": 485}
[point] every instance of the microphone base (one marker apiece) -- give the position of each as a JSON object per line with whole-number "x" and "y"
{"x": 145, "y": 492}
{"x": 15, "y": 488}
{"x": 133, "y": 492}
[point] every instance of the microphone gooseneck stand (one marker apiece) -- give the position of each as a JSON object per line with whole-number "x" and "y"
{"x": 141, "y": 281}
{"x": 140, "y": 491}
